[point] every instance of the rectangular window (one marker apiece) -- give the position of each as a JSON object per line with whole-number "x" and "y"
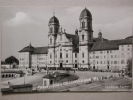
{"x": 111, "y": 56}
{"x": 115, "y": 62}
{"x": 66, "y": 55}
{"x": 122, "y": 62}
{"x": 50, "y": 56}
{"x": 107, "y": 62}
{"x": 82, "y": 55}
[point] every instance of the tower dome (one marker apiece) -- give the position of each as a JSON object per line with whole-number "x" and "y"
{"x": 54, "y": 20}
{"x": 85, "y": 13}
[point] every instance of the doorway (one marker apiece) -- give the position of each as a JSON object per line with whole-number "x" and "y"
{"x": 76, "y": 66}
{"x": 61, "y": 65}
{"x": 93, "y": 67}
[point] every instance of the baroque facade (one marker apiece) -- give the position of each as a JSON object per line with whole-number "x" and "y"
{"x": 78, "y": 50}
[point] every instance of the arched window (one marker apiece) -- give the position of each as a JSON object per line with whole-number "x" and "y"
{"x": 51, "y": 29}
{"x": 82, "y": 37}
{"x": 60, "y": 37}
{"x": 50, "y": 40}
{"x": 83, "y": 24}
{"x": 60, "y": 55}
{"x": 75, "y": 55}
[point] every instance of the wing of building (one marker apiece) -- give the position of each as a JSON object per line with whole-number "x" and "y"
{"x": 77, "y": 50}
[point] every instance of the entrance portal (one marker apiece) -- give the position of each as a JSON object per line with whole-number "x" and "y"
{"x": 108, "y": 67}
{"x": 76, "y": 65}
{"x": 93, "y": 67}
{"x": 61, "y": 65}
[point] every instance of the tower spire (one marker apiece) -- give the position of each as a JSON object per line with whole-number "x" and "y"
{"x": 132, "y": 29}
{"x": 100, "y": 30}
{"x": 85, "y": 1}
{"x": 54, "y": 12}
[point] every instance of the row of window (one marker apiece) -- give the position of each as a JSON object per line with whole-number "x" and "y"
{"x": 61, "y": 55}
{"x": 124, "y": 49}
{"x": 68, "y": 61}
{"x": 109, "y": 62}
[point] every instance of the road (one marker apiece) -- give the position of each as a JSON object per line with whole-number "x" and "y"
{"x": 113, "y": 84}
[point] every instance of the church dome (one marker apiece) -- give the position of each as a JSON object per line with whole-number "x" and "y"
{"x": 85, "y": 13}
{"x": 54, "y": 20}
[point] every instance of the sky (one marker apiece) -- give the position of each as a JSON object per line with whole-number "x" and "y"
{"x": 26, "y": 21}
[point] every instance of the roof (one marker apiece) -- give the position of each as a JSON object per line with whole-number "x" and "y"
{"x": 21, "y": 86}
{"x": 35, "y": 50}
{"x": 98, "y": 39}
{"x": 75, "y": 41}
{"x": 29, "y": 48}
{"x": 54, "y": 20}
{"x": 55, "y": 75}
{"x": 12, "y": 71}
{"x": 41, "y": 50}
{"x": 85, "y": 13}
{"x": 110, "y": 45}
{"x": 49, "y": 76}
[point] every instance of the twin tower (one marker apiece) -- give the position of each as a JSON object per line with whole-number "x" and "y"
{"x": 85, "y": 25}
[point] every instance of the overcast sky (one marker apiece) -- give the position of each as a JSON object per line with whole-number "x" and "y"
{"x": 25, "y": 21}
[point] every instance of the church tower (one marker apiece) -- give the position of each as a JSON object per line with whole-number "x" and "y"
{"x": 86, "y": 26}
{"x": 85, "y": 37}
{"x": 53, "y": 29}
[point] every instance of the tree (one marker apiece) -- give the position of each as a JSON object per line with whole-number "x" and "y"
{"x": 10, "y": 60}
{"x": 129, "y": 68}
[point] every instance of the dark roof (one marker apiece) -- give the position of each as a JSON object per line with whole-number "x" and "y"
{"x": 6, "y": 90}
{"x": 21, "y": 86}
{"x": 29, "y": 48}
{"x": 35, "y": 50}
{"x": 110, "y": 45}
{"x": 85, "y": 13}
{"x": 54, "y": 20}
{"x": 98, "y": 39}
{"x": 75, "y": 41}
{"x": 12, "y": 71}
{"x": 129, "y": 37}
{"x": 49, "y": 76}
{"x": 55, "y": 75}
{"x": 41, "y": 50}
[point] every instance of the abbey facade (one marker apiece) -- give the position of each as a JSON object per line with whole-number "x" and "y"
{"x": 77, "y": 50}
